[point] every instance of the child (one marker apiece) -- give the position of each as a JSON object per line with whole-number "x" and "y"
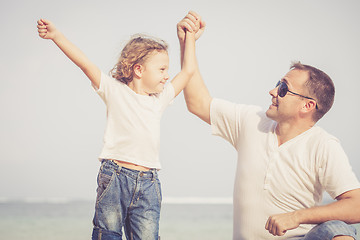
{"x": 129, "y": 193}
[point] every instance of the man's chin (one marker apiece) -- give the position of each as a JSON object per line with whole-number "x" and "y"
{"x": 270, "y": 114}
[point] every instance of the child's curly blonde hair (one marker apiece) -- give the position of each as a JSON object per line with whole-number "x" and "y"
{"x": 136, "y": 51}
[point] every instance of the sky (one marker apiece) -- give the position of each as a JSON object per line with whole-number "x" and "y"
{"x": 52, "y": 121}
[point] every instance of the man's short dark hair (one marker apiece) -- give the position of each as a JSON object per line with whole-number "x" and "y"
{"x": 320, "y": 87}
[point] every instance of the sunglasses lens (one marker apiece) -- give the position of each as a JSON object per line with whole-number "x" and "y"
{"x": 283, "y": 89}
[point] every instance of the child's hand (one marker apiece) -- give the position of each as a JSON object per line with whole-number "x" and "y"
{"x": 197, "y": 25}
{"x": 46, "y": 29}
{"x": 192, "y": 22}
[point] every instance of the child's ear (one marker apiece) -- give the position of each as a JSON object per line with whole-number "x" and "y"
{"x": 138, "y": 70}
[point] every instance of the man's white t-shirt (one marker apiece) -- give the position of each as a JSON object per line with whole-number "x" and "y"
{"x": 272, "y": 179}
{"x": 132, "y": 131}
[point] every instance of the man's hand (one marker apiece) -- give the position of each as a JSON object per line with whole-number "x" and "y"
{"x": 46, "y": 29}
{"x": 191, "y": 22}
{"x": 277, "y": 225}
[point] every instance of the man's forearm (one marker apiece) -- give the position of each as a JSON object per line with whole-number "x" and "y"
{"x": 347, "y": 210}
{"x": 196, "y": 94}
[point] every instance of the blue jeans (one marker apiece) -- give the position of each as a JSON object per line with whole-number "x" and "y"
{"x": 328, "y": 230}
{"x": 126, "y": 199}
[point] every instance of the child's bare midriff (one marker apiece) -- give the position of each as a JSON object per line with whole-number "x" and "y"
{"x": 131, "y": 165}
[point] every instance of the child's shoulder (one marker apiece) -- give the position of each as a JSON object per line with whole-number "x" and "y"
{"x": 111, "y": 80}
{"x": 108, "y": 84}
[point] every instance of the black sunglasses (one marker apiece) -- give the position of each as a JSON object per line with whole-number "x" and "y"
{"x": 283, "y": 89}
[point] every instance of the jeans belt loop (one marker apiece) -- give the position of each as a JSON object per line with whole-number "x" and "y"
{"x": 153, "y": 171}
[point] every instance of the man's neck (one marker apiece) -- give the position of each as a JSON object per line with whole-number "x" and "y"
{"x": 288, "y": 131}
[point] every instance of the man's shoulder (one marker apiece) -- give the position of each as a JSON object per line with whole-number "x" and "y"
{"x": 226, "y": 104}
{"x": 321, "y": 139}
{"x": 321, "y": 134}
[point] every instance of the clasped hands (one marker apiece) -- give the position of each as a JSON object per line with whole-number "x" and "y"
{"x": 191, "y": 22}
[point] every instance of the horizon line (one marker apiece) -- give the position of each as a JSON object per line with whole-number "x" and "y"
{"x": 165, "y": 200}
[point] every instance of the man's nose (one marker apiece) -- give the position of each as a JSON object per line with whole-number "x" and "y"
{"x": 274, "y": 92}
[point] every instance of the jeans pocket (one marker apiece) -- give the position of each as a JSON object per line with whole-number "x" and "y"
{"x": 104, "y": 181}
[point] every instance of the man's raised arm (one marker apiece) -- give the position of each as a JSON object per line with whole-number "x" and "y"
{"x": 196, "y": 94}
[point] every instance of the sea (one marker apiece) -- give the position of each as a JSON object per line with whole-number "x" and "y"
{"x": 72, "y": 220}
{"x": 27, "y": 220}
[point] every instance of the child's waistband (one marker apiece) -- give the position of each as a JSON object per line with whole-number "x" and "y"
{"x": 133, "y": 173}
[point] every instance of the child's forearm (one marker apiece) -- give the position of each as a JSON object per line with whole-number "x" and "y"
{"x": 188, "y": 64}
{"x": 188, "y": 58}
{"x": 78, "y": 57}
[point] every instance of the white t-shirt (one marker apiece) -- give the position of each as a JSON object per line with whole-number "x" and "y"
{"x": 132, "y": 131}
{"x": 272, "y": 179}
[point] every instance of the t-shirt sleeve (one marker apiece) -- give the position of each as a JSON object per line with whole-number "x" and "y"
{"x": 233, "y": 121}
{"x": 336, "y": 174}
{"x": 224, "y": 121}
{"x": 167, "y": 96}
{"x": 105, "y": 86}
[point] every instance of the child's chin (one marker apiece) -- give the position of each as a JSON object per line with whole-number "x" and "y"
{"x": 159, "y": 90}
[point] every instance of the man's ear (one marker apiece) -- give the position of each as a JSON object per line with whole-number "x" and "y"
{"x": 309, "y": 106}
{"x": 138, "y": 70}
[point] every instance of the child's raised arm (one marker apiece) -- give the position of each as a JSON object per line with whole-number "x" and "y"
{"x": 188, "y": 65}
{"x": 47, "y": 30}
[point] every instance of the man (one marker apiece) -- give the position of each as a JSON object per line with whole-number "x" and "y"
{"x": 285, "y": 162}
